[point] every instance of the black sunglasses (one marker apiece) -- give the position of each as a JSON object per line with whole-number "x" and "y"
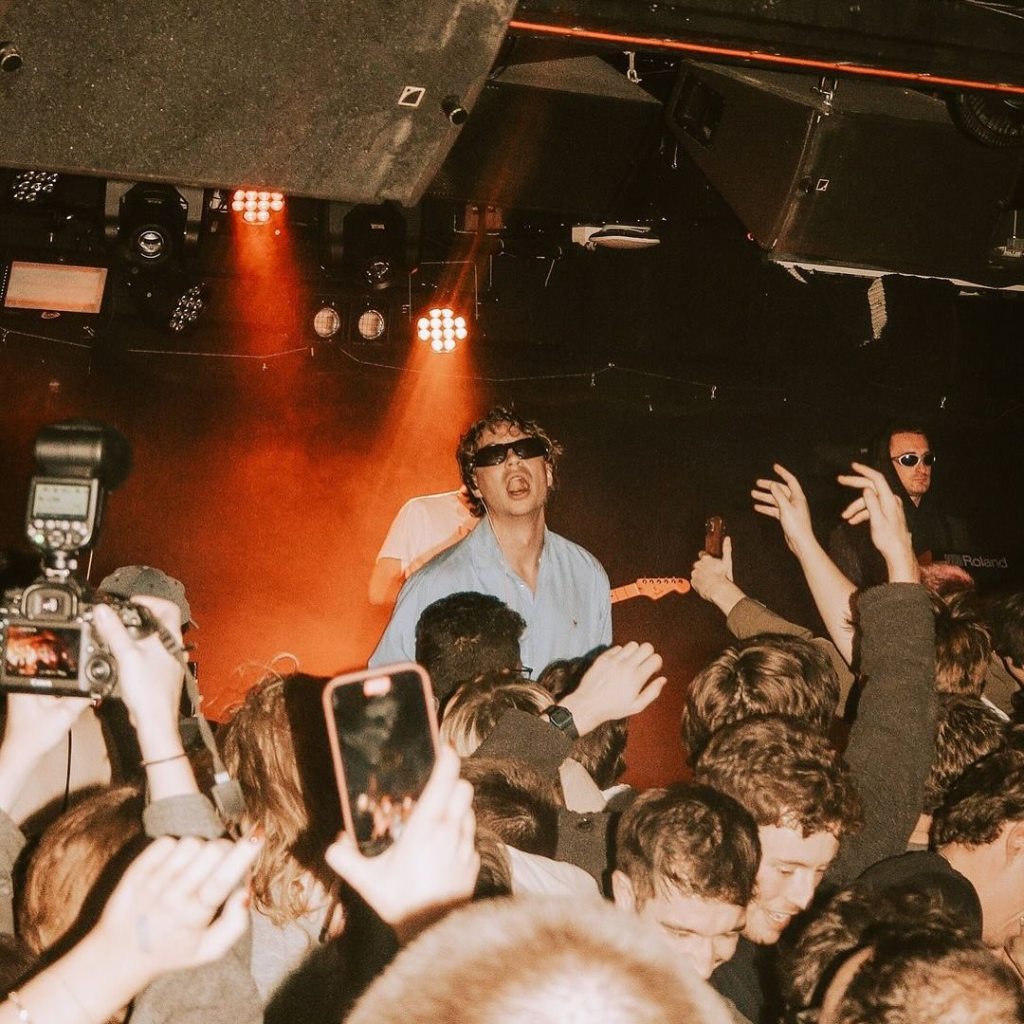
{"x": 911, "y": 459}
{"x": 496, "y": 454}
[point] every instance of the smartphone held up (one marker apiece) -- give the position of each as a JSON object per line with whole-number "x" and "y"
{"x": 384, "y": 740}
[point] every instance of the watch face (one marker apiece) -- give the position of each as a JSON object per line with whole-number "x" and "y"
{"x": 561, "y": 718}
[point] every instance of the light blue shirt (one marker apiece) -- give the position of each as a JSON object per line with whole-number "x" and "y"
{"x": 569, "y": 614}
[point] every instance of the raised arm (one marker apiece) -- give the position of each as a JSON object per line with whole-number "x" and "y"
{"x": 150, "y": 681}
{"x": 892, "y": 742}
{"x": 784, "y": 500}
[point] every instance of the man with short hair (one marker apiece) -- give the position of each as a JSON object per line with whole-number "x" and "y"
{"x": 896, "y": 958}
{"x": 464, "y": 635}
{"x": 508, "y": 466}
{"x": 686, "y": 858}
{"x": 543, "y": 961}
{"x": 800, "y": 794}
{"x": 976, "y": 866}
{"x": 767, "y": 674}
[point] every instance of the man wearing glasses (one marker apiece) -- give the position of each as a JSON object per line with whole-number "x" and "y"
{"x": 903, "y": 453}
{"x": 508, "y": 466}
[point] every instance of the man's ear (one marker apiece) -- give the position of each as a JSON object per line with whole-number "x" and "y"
{"x": 1015, "y": 841}
{"x": 551, "y": 474}
{"x": 623, "y": 893}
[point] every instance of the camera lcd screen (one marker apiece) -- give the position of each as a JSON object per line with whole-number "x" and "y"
{"x": 387, "y": 750}
{"x": 42, "y": 652}
{"x": 64, "y": 500}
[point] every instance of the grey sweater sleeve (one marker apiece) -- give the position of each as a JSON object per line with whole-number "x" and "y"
{"x": 12, "y": 842}
{"x": 892, "y": 741}
{"x": 222, "y": 992}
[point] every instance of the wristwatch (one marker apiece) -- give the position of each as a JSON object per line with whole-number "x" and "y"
{"x": 561, "y": 718}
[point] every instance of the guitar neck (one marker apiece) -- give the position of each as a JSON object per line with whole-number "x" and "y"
{"x": 625, "y": 592}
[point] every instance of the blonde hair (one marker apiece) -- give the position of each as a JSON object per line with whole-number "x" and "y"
{"x": 550, "y": 961}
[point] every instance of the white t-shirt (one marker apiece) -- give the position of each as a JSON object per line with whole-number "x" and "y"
{"x": 424, "y": 527}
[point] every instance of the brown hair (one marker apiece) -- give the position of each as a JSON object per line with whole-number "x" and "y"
{"x": 691, "y": 839}
{"x": 259, "y": 750}
{"x": 768, "y": 674}
{"x": 963, "y": 644}
{"x": 515, "y": 802}
{"x": 987, "y": 796}
{"x": 78, "y": 862}
{"x": 856, "y": 919}
{"x": 784, "y": 773}
{"x": 968, "y": 730}
{"x": 470, "y": 440}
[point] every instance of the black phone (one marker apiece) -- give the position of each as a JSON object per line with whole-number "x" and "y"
{"x": 383, "y": 735}
{"x": 714, "y": 535}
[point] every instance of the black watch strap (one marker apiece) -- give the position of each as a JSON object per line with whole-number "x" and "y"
{"x": 561, "y": 718}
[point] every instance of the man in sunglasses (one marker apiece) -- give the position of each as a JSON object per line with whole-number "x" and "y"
{"x": 508, "y": 466}
{"x": 904, "y": 455}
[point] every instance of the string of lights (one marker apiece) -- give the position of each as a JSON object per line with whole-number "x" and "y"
{"x": 708, "y": 391}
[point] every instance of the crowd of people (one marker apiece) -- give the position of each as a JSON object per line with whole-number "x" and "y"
{"x": 845, "y": 846}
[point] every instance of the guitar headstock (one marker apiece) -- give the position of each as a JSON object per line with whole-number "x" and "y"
{"x": 658, "y": 587}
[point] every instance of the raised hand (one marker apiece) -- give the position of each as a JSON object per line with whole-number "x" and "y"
{"x": 785, "y": 501}
{"x": 712, "y": 578}
{"x": 618, "y": 685}
{"x": 182, "y": 902}
{"x": 150, "y": 681}
{"x": 884, "y": 512}
{"x": 431, "y": 867}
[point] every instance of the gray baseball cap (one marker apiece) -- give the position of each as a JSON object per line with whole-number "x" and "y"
{"x": 130, "y": 580}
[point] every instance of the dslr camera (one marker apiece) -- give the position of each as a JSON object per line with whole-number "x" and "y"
{"x": 47, "y": 640}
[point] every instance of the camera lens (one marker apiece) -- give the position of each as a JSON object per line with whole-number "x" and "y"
{"x": 99, "y": 672}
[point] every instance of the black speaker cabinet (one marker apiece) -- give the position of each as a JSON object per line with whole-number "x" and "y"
{"x": 562, "y": 136}
{"x": 866, "y": 175}
{"x": 341, "y": 100}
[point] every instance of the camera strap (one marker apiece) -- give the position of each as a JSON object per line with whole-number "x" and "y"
{"x": 226, "y": 793}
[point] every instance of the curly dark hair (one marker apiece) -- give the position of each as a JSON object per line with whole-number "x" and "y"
{"x": 470, "y": 440}
{"x": 987, "y": 796}
{"x": 920, "y": 961}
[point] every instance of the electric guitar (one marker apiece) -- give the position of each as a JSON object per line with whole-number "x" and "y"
{"x": 654, "y": 588}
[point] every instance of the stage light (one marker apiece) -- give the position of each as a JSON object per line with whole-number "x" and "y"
{"x": 172, "y": 300}
{"x": 326, "y": 322}
{"x": 188, "y": 308}
{"x": 371, "y": 324}
{"x": 31, "y": 186}
{"x": 443, "y": 328}
{"x": 256, "y": 205}
{"x": 153, "y": 220}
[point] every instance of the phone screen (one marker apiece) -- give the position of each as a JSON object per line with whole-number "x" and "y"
{"x": 384, "y": 738}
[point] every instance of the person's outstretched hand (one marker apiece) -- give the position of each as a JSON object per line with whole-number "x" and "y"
{"x": 619, "y": 684}
{"x": 785, "y": 501}
{"x": 888, "y": 524}
{"x": 712, "y": 578}
{"x": 431, "y": 867}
